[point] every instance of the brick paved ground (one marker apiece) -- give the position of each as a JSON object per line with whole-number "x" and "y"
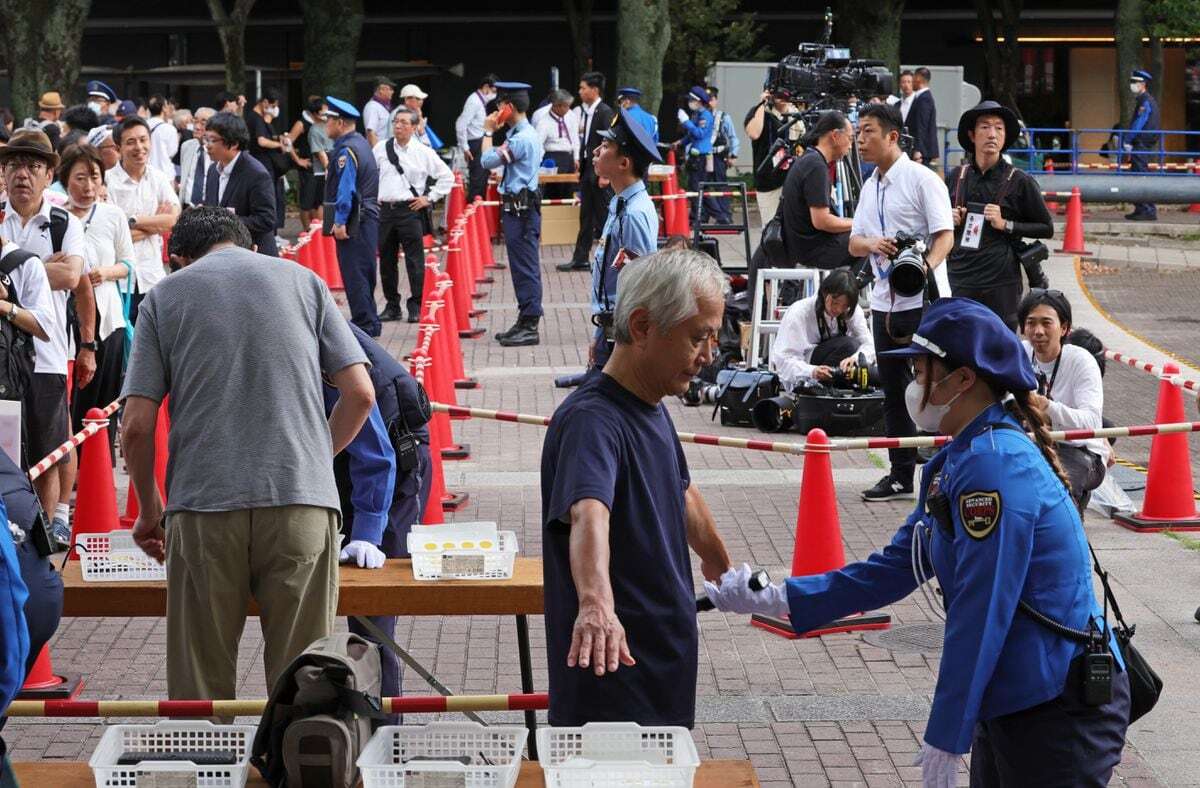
{"x": 842, "y": 710}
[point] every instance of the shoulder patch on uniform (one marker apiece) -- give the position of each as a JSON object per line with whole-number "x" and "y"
{"x": 979, "y": 512}
{"x": 341, "y": 162}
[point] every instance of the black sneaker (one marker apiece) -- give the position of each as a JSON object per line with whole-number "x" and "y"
{"x": 888, "y": 488}
{"x": 522, "y": 336}
{"x": 390, "y": 313}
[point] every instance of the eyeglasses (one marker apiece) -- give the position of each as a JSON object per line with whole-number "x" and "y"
{"x": 24, "y": 163}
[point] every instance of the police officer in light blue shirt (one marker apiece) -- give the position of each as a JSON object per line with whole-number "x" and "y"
{"x": 697, "y": 127}
{"x": 521, "y": 205}
{"x": 996, "y": 526}
{"x": 725, "y": 149}
{"x": 631, "y": 99}
{"x": 630, "y": 231}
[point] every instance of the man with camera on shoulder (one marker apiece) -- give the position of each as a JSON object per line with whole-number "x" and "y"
{"x": 900, "y": 197}
{"x": 995, "y": 206}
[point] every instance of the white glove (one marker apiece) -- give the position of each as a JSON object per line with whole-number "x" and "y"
{"x": 733, "y": 595}
{"x": 683, "y": 116}
{"x": 939, "y": 769}
{"x": 365, "y": 554}
{"x": 1128, "y": 146}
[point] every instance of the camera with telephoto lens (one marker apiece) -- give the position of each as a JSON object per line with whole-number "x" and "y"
{"x": 700, "y": 392}
{"x": 907, "y": 276}
{"x": 860, "y": 377}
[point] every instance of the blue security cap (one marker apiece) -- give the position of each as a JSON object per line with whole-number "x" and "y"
{"x": 699, "y": 94}
{"x": 632, "y": 136}
{"x": 126, "y": 109}
{"x": 633, "y": 93}
{"x": 963, "y": 332}
{"x": 98, "y": 88}
{"x": 1139, "y": 75}
{"x": 340, "y": 109}
{"x": 509, "y": 88}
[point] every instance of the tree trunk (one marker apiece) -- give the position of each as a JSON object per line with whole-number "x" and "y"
{"x": 871, "y": 29}
{"x": 1003, "y": 59}
{"x": 643, "y": 33}
{"x": 1157, "y": 67}
{"x": 231, "y": 29}
{"x": 579, "y": 18}
{"x": 332, "y": 29}
{"x": 1129, "y": 29}
{"x": 41, "y": 42}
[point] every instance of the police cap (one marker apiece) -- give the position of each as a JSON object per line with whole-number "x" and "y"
{"x": 508, "y": 89}
{"x": 340, "y": 109}
{"x": 631, "y": 93}
{"x": 633, "y": 138}
{"x": 699, "y": 94}
{"x": 963, "y": 332}
{"x": 98, "y": 88}
{"x": 1139, "y": 75}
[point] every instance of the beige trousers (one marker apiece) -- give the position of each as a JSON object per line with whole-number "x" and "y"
{"x": 768, "y": 202}
{"x": 286, "y": 557}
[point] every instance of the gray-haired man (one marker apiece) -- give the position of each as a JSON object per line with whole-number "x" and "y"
{"x": 621, "y": 634}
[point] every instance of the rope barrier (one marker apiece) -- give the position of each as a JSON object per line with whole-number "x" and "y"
{"x": 91, "y": 428}
{"x": 1190, "y": 386}
{"x": 849, "y": 444}
{"x": 657, "y": 197}
{"x": 416, "y": 704}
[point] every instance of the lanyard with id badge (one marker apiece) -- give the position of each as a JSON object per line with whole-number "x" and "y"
{"x": 973, "y": 222}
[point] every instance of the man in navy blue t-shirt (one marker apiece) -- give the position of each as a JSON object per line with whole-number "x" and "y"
{"x": 619, "y": 511}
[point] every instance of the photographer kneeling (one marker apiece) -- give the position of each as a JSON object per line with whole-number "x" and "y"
{"x": 822, "y": 333}
{"x": 813, "y": 235}
{"x": 995, "y": 206}
{"x": 1070, "y": 388}
{"x": 901, "y": 196}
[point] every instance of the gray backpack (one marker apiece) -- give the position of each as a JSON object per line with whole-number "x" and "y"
{"x": 320, "y": 715}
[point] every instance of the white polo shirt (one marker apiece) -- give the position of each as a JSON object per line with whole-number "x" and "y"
{"x": 909, "y": 198}
{"x": 164, "y": 144}
{"x": 34, "y": 236}
{"x": 141, "y": 198}
{"x": 375, "y": 118}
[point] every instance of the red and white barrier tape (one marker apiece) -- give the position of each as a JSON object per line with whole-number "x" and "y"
{"x": 253, "y": 707}
{"x": 848, "y": 444}
{"x": 657, "y": 197}
{"x": 1190, "y": 386}
{"x": 91, "y": 428}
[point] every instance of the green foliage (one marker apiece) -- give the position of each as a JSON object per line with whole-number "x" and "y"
{"x": 703, "y": 32}
{"x": 1171, "y": 18}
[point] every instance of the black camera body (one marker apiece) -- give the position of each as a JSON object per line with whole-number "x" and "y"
{"x": 820, "y": 71}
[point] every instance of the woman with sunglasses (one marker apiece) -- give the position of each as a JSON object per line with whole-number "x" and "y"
{"x": 996, "y": 527}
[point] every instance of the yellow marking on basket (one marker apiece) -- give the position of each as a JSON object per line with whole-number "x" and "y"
{"x": 431, "y": 545}
{"x": 486, "y": 544}
{"x": 447, "y": 545}
{"x": 468, "y": 545}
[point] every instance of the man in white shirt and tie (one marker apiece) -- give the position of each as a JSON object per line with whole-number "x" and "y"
{"x": 558, "y": 126}
{"x": 594, "y": 195}
{"x": 469, "y": 131}
{"x": 194, "y": 160}
{"x": 405, "y": 167}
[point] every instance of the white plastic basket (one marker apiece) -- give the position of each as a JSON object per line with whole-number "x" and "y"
{"x": 114, "y": 556}
{"x": 462, "y": 551}
{"x": 495, "y": 753}
{"x": 167, "y": 737}
{"x": 616, "y": 755}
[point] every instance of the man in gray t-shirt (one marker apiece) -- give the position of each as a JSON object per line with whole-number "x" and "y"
{"x": 240, "y": 342}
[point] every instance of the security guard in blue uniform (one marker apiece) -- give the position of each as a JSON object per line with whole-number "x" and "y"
{"x": 630, "y": 99}
{"x": 697, "y": 129}
{"x": 1145, "y": 116}
{"x": 521, "y": 208}
{"x": 102, "y": 100}
{"x": 631, "y": 230}
{"x": 15, "y": 653}
{"x": 996, "y": 526}
{"x": 352, "y": 197}
{"x": 383, "y": 480}
{"x": 725, "y": 148}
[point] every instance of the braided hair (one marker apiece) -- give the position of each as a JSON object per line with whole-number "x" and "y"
{"x": 1039, "y": 424}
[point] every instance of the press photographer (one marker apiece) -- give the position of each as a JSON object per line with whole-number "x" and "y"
{"x": 822, "y": 334}
{"x": 807, "y": 227}
{"x": 901, "y": 196}
{"x": 995, "y": 206}
{"x": 763, "y": 125}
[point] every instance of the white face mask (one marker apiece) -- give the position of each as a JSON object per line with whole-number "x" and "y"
{"x": 1135, "y": 88}
{"x": 95, "y": 106}
{"x": 927, "y": 418}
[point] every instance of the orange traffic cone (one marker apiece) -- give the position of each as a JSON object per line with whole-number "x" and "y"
{"x": 456, "y": 269}
{"x": 329, "y": 255}
{"x": 449, "y": 323}
{"x": 96, "y": 494}
{"x": 1169, "y": 503}
{"x": 680, "y": 226}
{"x": 161, "y": 430}
{"x": 819, "y": 540}
{"x": 419, "y": 362}
{"x": 1073, "y": 237}
{"x": 1053, "y": 206}
{"x": 43, "y": 683}
{"x": 456, "y": 202}
{"x": 477, "y": 229}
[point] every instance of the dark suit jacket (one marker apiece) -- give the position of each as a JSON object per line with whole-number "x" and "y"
{"x": 922, "y": 125}
{"x": 251, "y": 194}
{"x": 600, "y": 122}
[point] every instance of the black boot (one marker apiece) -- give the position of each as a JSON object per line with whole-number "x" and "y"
{"x": 525, "y": 333}
{"x": 510, "y": 330}
{"x": 391, "y": 312}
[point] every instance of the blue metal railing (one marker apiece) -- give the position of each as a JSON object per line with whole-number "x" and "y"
{"x": 1066, "y": 149}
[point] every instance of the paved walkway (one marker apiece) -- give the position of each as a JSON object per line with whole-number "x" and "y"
{"x": 846, "y": 709}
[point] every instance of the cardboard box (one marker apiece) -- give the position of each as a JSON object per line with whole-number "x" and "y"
{"x": 560, "y": 224}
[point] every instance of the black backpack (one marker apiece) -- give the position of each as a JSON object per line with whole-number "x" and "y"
{"x": 16, "y": 346}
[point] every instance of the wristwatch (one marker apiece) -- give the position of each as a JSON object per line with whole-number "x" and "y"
{"x": 93, "y": 346}
{"x": 132, "y": 222}
{"x": 1008, "y": 227}
{"x": 12, "y": 313}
